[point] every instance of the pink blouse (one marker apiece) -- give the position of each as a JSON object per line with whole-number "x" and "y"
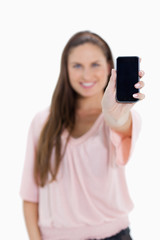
{"x": 90, "y": 198}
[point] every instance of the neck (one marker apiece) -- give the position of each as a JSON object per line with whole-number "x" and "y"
{"x": 89, "y": 104}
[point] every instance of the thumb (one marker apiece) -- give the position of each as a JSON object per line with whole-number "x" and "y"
{"x": 112, "y": 82}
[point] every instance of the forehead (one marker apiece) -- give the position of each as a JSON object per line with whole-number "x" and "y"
{"x": 86, "y": 52}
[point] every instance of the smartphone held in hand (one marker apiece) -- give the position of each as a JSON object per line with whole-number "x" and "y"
{"x": 127, "y": 77}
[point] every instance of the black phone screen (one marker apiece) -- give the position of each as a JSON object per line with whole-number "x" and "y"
{"x": 127, "y": 77}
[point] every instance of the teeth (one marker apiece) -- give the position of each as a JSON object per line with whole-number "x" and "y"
{"x": 87, "y": 84}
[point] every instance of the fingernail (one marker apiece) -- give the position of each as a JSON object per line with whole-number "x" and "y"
{"x": 137, "y": 85}
{"x": 135, "y": 95}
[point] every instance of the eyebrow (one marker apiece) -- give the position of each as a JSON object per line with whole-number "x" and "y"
{"x": 76, "y": 62}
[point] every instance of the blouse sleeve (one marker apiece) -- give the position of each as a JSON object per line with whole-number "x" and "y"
{"x": 123, "y": 147}
{"x": 28, "y": 188}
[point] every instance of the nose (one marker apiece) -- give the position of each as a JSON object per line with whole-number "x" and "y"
{"x": 87, "y": 74}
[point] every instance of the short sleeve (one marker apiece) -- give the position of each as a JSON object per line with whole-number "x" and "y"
{"x": 29, "y": 190}
{"x": 123, "y": 147}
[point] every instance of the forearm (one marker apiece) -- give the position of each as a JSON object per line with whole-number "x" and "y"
{"x": 31, "y": 220}
{"x": 122, "y": 125}
{"x": 126, "y": 128}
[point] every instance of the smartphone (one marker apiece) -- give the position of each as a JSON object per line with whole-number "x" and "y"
{"x": 127, "y": 77}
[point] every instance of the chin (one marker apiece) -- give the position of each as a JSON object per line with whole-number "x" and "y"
{"x": 91, "y": 95}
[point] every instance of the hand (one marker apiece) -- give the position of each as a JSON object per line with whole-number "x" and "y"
{"x": 117, "y": 114}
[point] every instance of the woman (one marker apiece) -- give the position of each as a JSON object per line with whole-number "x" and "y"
{"x": 73, "y": 184}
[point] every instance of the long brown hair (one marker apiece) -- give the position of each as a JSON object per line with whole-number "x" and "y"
{"x": 62, "y": 110}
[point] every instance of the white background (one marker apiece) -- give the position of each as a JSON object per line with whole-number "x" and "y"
{"x": 32, "y": 37}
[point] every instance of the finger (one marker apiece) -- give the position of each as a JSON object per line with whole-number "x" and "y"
{"x": 113, "y": 76}
{"x": 139, "y": 85}
{"x": 139, "y": 96}
{"x": 141, "y": 73}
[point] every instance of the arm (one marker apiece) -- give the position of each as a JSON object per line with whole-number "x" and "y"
{"x": 31, "y": 219}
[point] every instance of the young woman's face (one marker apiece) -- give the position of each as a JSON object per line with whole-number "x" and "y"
{"x": 88, "y": 70}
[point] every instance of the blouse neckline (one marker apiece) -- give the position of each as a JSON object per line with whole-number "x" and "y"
{"x": 82, "y": 138}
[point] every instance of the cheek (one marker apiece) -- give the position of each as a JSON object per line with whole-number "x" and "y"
{"x": 73, "y": 78}
{"x": 103, "y": 75}
{"x": 73, "y": 75}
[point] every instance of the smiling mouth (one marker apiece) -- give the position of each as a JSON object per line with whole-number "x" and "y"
{"x": 87, "y": 84}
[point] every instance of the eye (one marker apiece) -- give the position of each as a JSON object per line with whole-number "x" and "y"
{"x": 77, "y": 65}
{"x": 95, "y": 65}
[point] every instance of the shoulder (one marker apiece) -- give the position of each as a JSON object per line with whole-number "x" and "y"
{"x": 41, "y": 117}
{"x": 38, "y": 122}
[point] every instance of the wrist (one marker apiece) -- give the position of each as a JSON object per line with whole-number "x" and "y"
{"x": 122, "y": 124}
{"x": 116, "y": 121}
